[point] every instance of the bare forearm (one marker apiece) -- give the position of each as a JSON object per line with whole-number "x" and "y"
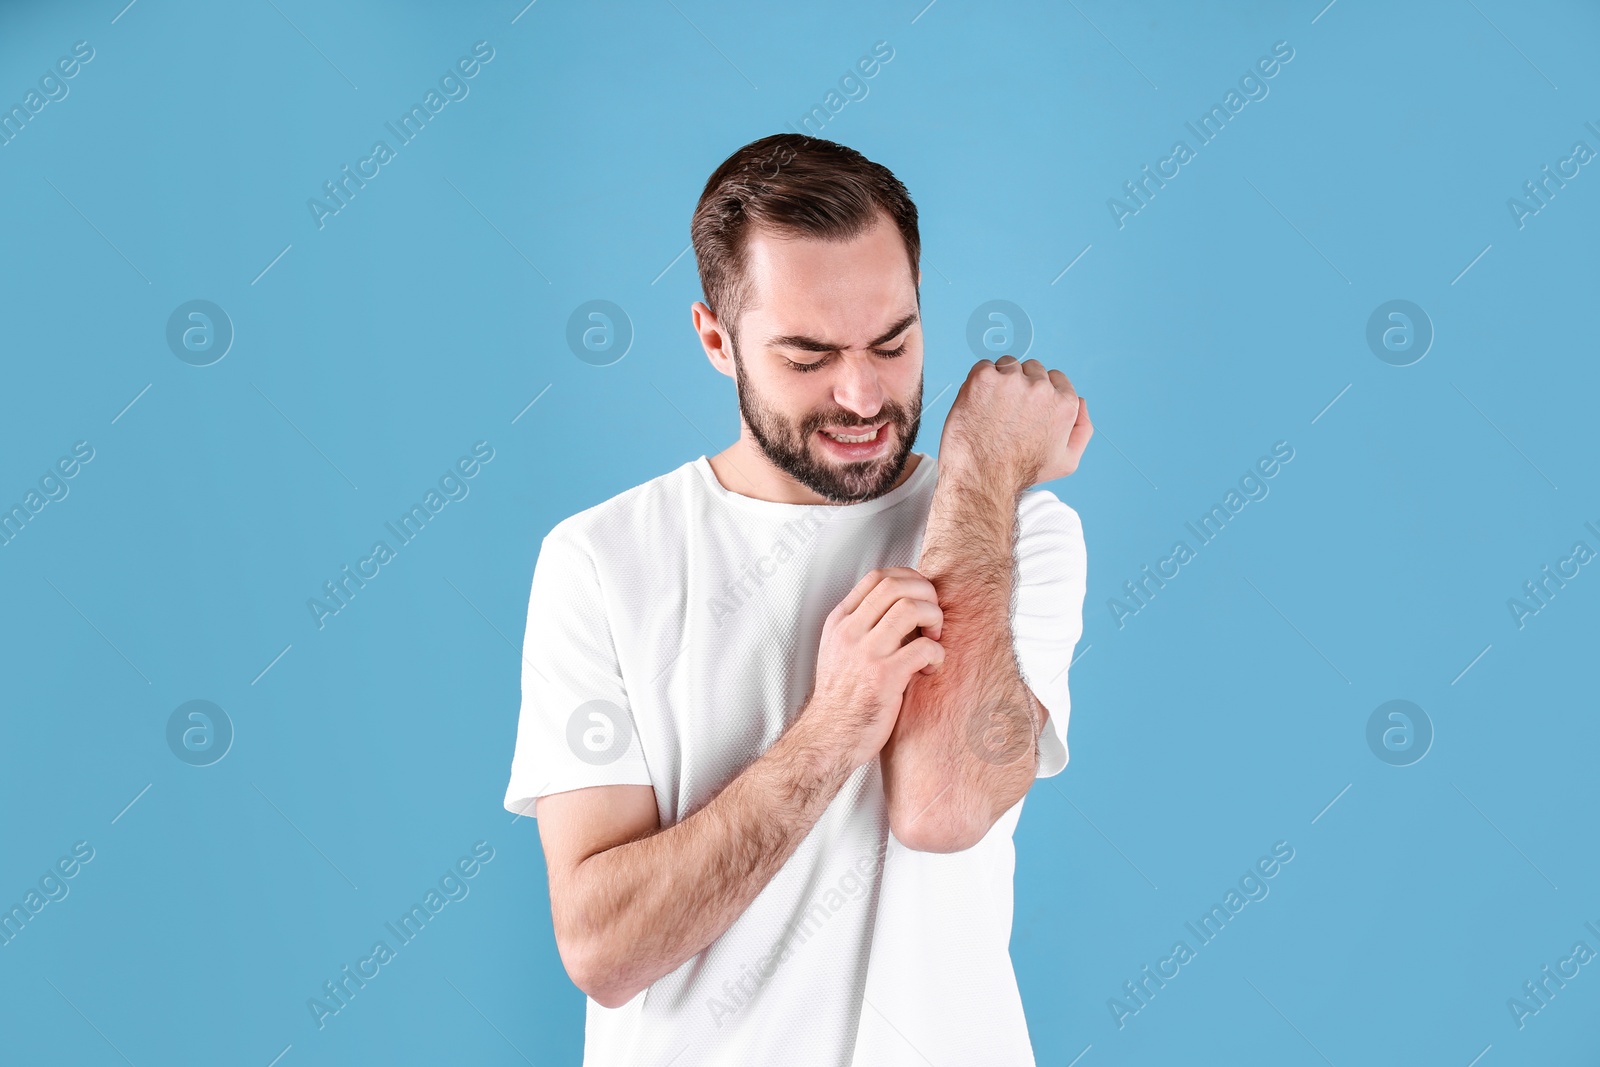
{"x": 965, "y": 746}
{"x": 649, "y": 905}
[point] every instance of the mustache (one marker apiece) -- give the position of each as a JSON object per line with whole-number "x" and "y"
{"x": 893, "y": 416}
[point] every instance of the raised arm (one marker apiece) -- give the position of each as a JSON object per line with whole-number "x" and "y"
{"x": 965, "y": 747}
{"x": 631, "y": 902}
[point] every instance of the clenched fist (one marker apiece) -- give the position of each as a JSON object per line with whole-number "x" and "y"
{"x": 1016, "y": 422}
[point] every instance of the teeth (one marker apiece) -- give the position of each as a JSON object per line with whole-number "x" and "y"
{"x": 858, "y": 439}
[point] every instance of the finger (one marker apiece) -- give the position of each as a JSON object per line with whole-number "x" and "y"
{"x": 1078, "y": 436}
{"x": 1033, "y": 368}
{"x": 852, "y": 600}
{"x": 1062, "y": 383}
{"x": 902, "y": 620}
{"x": 887, "y": 595}
{"x": 868, "y": 583}
{"x": 924, "y": 654}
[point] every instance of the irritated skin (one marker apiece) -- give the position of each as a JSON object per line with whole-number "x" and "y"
{"x": 942, "y": 796}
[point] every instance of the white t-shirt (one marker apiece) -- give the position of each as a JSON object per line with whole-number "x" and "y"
{"x": 672, "y": 635}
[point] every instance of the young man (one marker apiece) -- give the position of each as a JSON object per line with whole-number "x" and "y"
{"x": 776, "y": 769}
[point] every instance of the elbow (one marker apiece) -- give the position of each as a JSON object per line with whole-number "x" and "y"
{"x": 924, "y": 841}
{"x": 594, "y": 938}
{"x": 928, "y": 830}
{"x": 596, "y": 974}
{"x": 611, "y": 997}
{"x": 600, "y": 985}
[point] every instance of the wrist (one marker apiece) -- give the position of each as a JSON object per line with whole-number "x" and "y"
{"x": 970, "y": 522}
{"x": 968, "y": 473}
{"x": 817, "y": 754}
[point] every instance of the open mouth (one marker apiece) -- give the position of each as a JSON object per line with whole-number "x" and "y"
{"x": 862, "y": 445}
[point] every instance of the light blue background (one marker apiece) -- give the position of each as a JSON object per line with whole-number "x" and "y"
{"x": 1225, "y": 316}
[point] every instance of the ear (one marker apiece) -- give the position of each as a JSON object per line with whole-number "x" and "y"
{"x": 712, "y": 337}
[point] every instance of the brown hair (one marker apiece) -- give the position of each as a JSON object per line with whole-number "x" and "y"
{"x": 795, "y": 186}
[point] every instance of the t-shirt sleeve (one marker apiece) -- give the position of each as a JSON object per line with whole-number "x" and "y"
{"x": 576, "y": 727}
{"x": 1047, "y": 620}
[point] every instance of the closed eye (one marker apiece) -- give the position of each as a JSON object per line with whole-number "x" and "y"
{"x": 806, "y": 367}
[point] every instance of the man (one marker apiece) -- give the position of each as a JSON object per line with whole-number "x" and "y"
{"x": 776, "y": 769}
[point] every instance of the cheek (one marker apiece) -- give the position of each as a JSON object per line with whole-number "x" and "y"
{"x": 905, "y": 378}
{"x": 793, "y": 397}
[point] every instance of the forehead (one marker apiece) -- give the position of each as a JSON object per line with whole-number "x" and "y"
{"x": 845, "y": 290}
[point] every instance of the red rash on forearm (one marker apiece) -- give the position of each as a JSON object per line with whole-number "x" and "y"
{"x": 943, "y": 795}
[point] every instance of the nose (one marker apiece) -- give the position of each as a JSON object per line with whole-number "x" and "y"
{"x": 858, "y": 389}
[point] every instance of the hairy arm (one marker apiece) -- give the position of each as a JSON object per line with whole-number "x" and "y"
{"x": 631, "y": 902}
{"x": 965, "y": 747}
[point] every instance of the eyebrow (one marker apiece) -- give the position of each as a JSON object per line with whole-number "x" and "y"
{"x": 812, "y": 344}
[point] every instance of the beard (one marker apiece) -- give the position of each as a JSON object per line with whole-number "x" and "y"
{"x": 790, "y": 446}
